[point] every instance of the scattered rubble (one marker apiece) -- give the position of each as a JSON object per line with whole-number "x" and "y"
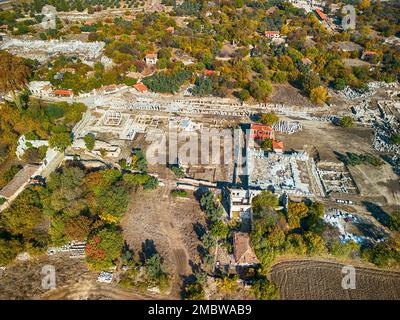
{"x": 355, "y": 228}
{"x": 41, "y": 50}
{"x": 105, "y": 277}
{"x": 288, "y": 127}
{"x": 75, "y": 248}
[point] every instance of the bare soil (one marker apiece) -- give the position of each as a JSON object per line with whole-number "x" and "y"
{"x": 155, "y": 218}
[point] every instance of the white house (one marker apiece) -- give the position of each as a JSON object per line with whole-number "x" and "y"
{"x": 240, "y": 203}
{"x": 151, "y": 58}
{"x": 40, "y": 88}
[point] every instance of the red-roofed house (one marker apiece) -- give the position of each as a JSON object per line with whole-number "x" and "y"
{"x": 242, "y": 251}
{"x": 272, "y": 34}
{"x": 277, "y": 145}
{"x": 209, "y": 73}
{"x": 62, "y": 93}
{"x": 261, "y": 131}
{"x": 368, "y": 54}
{"x": 320, "y": 14}
{"x": 140, "y": 87}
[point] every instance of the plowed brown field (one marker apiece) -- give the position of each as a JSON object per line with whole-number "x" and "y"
{"x": 322, "y": 280}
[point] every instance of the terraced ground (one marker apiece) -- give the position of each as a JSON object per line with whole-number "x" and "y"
{"x": 322, "y": 280}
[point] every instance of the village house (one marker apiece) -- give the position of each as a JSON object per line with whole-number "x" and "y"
{"x": 320, "y": 14}
{"x": 40, "y": 88}
{"x": 368, "y": 54}
{"x": 62, "y": 93}
{"x": 242, "y": 251}
{"x": 277, "y": 146}
{"x": 261, "y": 131}
{"x": 151, "y": 58}
{"x": 240, "y": 203}
{"x": 209, "y": 73}
{"x": 272, "y": 34}
{"x": 140, "y": 87}
{"x": 18, "y": 183}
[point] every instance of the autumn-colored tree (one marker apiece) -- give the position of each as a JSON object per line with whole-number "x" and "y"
{"x": 296, "y": 211}
{"x": 364, "y": 4}
{"x": 14, "y": 73}
{"x": 269, "y": 118}
{"x": 77, "y": 228}
{"x": 319, "y": 95}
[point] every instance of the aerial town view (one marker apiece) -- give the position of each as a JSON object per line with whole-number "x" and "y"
{"x": 199, "y": 150}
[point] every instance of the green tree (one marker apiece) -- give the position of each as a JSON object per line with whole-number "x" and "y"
{"x": 267, "y": 144}
{"x": 155, "y": 270}
{"x": 265, "y": 199}
{"x": 219, "y": 230}
{"x": 60, "y": 141}
{"x": 269, "y": 118}
{"x": 260, "y": 89}
{"x": 394, "y": 221}
{"x": 395, "y": 139}
{"x": 194, "y": 291}
{"x": 346, "y": 122}
{"x": 89, "y": 141}
{"x": 265, "y": 290}
{"x": 103, "y": 248}
{"x": 9, "y": 250}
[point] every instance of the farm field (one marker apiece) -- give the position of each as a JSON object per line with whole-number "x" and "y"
{"x": 321, "y": 280}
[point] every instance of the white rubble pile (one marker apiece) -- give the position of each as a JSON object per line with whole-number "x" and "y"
{"x": 340, "y": 219}
{"x": 288, "y": 127}
{"x": 89, "y": 50}
{"x": 75, "y": 248}
{"x": 105, "y": 277}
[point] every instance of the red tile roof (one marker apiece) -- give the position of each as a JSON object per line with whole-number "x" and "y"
{"x": 209, "y": 72}
{"x": 140, "y": 87}
{"x": 277, "y": 144}
{"x": 110, "y": 87}
{"x": 271, "y": 33}
{"x": 320, "y": 14}
{"x": 370, "y": 53}
{"x": 63, "y": 92}
{"x": 261, "y": 131}
{"x": 242, "y": 251}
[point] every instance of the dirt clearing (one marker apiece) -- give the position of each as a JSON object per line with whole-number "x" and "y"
{"x": 156, "y": 219}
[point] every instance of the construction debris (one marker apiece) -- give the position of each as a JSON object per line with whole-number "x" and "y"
{"x": 76, "y": 249}
{"x": 279, "y": 172}
{"x": 288, "y": 127}
{"x": 42, "y": 50}
{"x": 105, "y": 277}
{"x": 357, "y": 228}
